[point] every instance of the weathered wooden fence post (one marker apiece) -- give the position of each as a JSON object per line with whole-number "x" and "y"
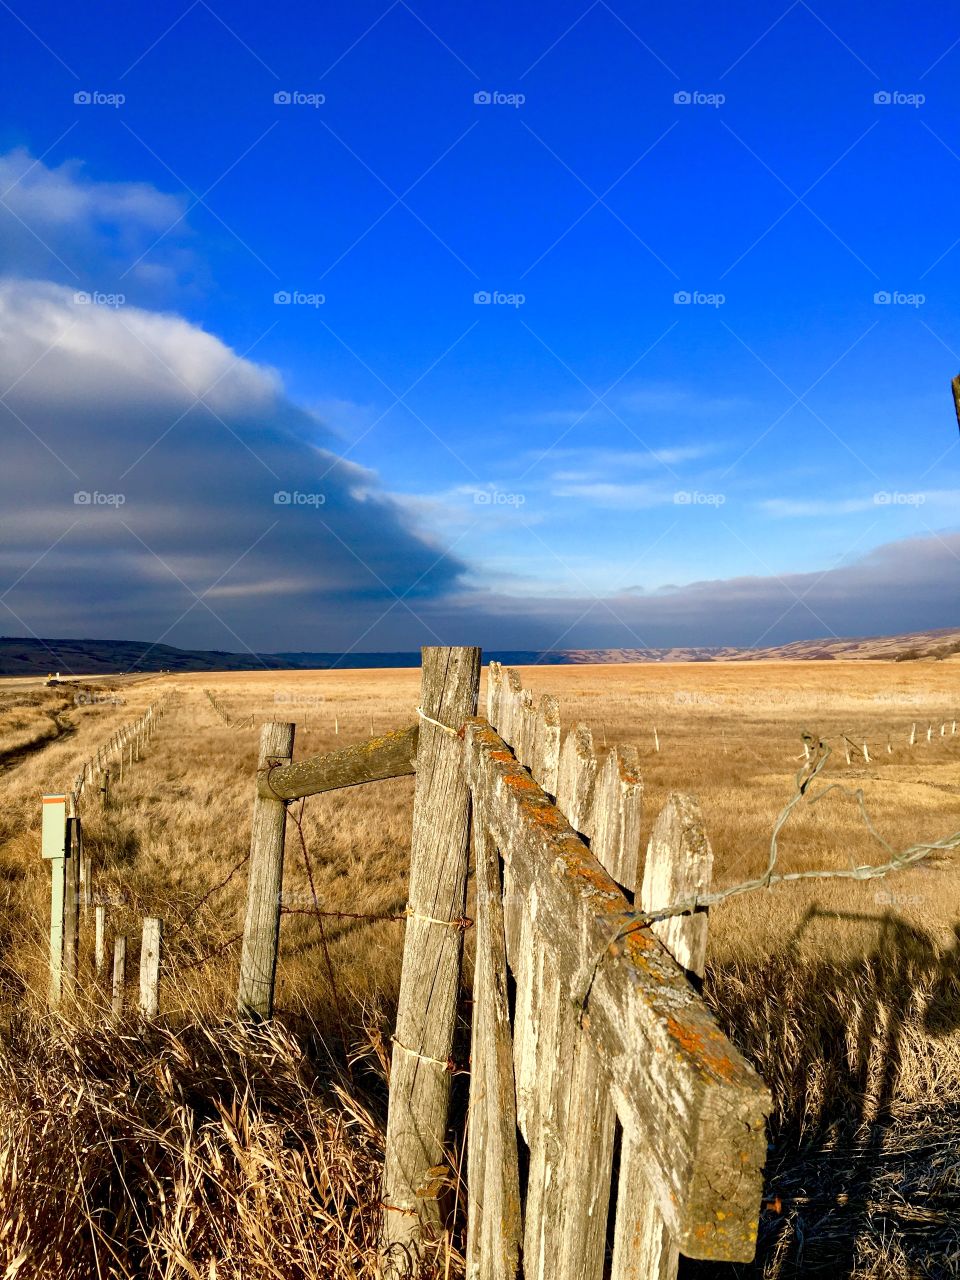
{"x": 71, "y": 907}
{"x": 86, "y": 879}
{"x": 261, "y": 933}
{"x": 100, "y": 939}
{"x": 150, "y": 948}
{"x": 430, "y": 978}
{"x": 119, "y": 975}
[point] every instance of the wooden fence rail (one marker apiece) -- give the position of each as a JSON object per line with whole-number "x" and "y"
{"x": 607, "y": 1028}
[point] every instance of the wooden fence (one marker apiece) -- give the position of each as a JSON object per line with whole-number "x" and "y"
{"x": 72, "y": 872}
{"x": 611, "y": 1125}
{"x": 592, "y": 1050}
{"x": 608, "y": 1056}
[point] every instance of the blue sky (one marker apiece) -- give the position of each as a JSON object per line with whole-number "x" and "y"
{"x": 708, "y": 401}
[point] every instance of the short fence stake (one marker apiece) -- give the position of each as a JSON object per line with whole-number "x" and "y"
{"x": 150, "y": 967}
{"x": 100, "y": 941}
{"x": 86, "y": 881}
{"x": 261, "y": 931}
{"x": 119, "y": 975}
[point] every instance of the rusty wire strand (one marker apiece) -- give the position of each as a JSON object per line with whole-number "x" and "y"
{"x": 298, "y": 822}
{"x": 897, "y": 861}
{"x": 195, "y": 910}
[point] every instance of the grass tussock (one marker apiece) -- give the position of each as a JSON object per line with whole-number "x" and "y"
{"x": 209, "y": 1150}
{"x": 28, "y": 722}
{"x": 863, "y": 1060}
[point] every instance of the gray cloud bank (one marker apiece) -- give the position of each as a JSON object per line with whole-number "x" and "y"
{"x": 182, "y": 446}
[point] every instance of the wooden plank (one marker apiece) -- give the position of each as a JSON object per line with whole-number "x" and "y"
{"x": 527, "y": 968}
{"x": 577, "y": 780}
{"x": 494, "y": 689}
{"x": 585, "y": 1183}
{"x": 511, "y": 693}
{"x": 618, "y": 814}
{"x": 389, "y": 755}
{"x": 494, "y": 1173}
{"x": 674, "y": 1074}
{"x": 528, "y": 730}
{"x": 478, "y": 1113}
{"x": 544, "y": 1066}
{"x": 643, "y": 1248}
{"x": 150, "y": 948}
{"x": 546, "y": 751}
{"x": 430, "y": 975}
{"x": 58, "y": 896}
{"x": 679, "y": 865}
{"x": 261, "y": 932}
{"x": 86, "y": 880}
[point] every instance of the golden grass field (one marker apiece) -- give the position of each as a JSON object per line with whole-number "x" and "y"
{"x": 252, "y": 1154}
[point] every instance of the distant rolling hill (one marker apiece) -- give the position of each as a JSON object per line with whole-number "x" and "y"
{"x": 20, "y": 656}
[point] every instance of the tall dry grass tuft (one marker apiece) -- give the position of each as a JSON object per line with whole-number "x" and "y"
{"x": 863, "y": 1059}
{"x": 203, "y": 1150}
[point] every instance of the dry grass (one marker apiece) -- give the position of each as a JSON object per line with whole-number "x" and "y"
{"x": 205, "y": 1150}
{"x": 846, "y": 996}
{"x": 27, "y": 722}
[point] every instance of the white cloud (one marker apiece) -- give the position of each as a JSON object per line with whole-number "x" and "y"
{"x": 607, "y": 494}
{"x": 63, "y": 224}
{"x": 802, "y": 507}
{"x": 883, "y": 501}
{"x": 65, "y": 196}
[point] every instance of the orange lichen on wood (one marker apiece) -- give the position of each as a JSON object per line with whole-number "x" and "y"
{"x": 692, "y": 1042}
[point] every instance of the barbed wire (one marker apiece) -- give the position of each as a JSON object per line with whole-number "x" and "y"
{"x": 195, "y": 910}
{"x": 212, "y": 955}
{"x": 898, "y": 860}
{"x": 298, "y": 822}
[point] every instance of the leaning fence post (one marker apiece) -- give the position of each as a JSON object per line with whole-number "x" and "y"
{"x": 150, "y": 967}
{"x": 261, "y": 931}
{"x": 433, "y": 944}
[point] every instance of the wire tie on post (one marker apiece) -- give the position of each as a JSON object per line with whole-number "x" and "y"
{"x": 461, "y": 922}
{"x": 455, "y": 733}
{"x": 448, "y": 1064}
{"x": 395, "y": 1208}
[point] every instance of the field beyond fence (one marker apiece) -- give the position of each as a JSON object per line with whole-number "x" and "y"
{"x": 844, "y": 1050}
